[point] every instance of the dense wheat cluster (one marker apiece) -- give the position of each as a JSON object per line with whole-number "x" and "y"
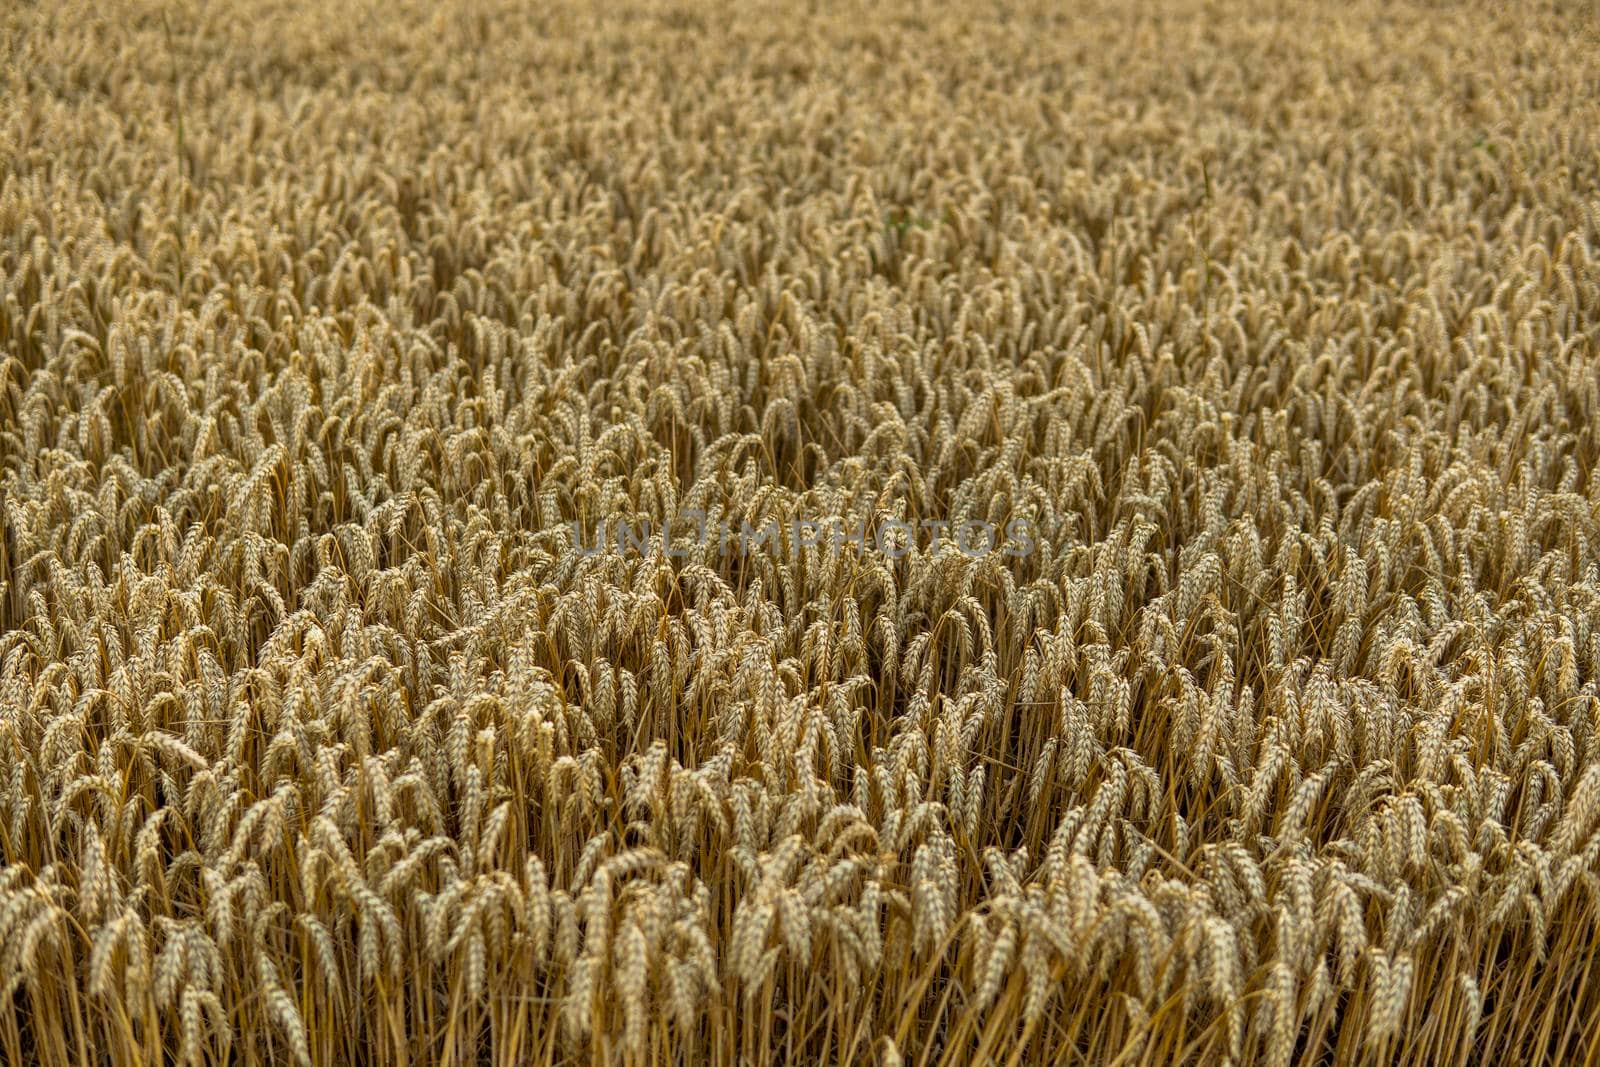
{"x": 330, "y": 337}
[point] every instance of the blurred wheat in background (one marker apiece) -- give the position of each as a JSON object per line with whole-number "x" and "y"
{"x": 322, "y": 742}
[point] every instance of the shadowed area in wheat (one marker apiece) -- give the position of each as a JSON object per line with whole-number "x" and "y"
{"x": 324, "y": 738}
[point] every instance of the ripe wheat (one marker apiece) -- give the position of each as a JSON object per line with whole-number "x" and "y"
{"x": 331, "y": 730}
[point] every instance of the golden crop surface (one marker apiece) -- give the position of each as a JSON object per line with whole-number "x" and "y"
{"x": 326, "y": 738}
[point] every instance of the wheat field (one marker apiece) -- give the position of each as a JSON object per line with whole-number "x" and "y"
{"x": 336, "y": 341}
